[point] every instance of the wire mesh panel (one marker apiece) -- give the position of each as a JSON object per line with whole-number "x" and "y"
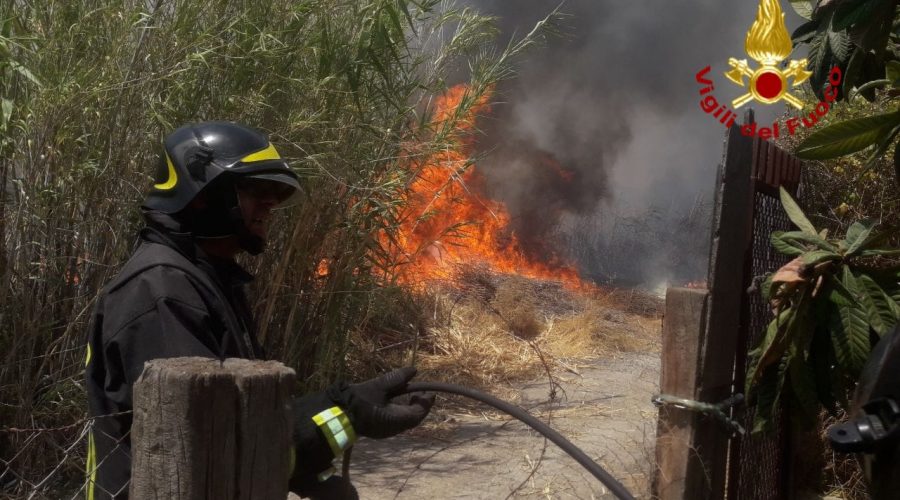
{"x": 761, "y": 462}
{"x": 56, "y": 463}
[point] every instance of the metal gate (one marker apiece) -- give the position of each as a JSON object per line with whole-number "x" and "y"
{"x": 758, "y": 465}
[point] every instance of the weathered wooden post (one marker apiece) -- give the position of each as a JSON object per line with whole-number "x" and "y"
{"x": 207, "y": 430}
{"x": 684, "y": 326}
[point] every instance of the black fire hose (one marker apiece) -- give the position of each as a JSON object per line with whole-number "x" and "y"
{"x": 581, "y": 457}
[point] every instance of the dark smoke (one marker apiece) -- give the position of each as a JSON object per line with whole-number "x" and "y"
{"x": 613, "y": 104}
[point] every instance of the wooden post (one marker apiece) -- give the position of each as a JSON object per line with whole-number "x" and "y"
{"x": 208, "y": 431}
{"x": 727, "y": 308}
{"x": 684, "y": 325}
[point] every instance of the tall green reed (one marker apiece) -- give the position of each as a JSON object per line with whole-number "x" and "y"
{"x": 90, "y": 87}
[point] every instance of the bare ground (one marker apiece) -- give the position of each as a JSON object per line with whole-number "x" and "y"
{"x": 468, "y": 452}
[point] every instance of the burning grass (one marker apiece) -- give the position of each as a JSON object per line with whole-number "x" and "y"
{"x": 487, "y": 330}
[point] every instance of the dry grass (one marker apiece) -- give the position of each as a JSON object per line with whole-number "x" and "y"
{"x": 843, "y": 474}
{"x": 486, "y": 330}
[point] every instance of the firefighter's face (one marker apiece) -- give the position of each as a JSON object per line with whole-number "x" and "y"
{"x": 257, "y": 198}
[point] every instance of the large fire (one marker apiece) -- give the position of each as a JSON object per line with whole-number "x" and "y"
{"x": 449, "y": 220}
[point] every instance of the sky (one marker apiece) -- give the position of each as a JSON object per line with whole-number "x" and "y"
{"x": 615, "y": 101}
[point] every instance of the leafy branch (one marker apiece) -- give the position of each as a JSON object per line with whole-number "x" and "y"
{"x": 831, "y": 304}
{"x": 861, "y": 37}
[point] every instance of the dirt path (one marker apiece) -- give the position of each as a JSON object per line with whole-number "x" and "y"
{"x": 606, "y": 411}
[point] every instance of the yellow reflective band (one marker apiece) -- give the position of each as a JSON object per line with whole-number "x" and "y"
{"x": 173, "y": 177}
{"x": 87, "y": 357}
{"x": 325, "y": 474}
{"x": 91, "y": 466}
{"x": 266, "y": 154}
{"x": 336, "y": 428}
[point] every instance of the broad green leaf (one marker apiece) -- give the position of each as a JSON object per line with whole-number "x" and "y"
{"x": 846, "y": 137}
{"x": 889, "y": 308}
{"x": 849, "y": 328}
{"x": 805, "y": 32}
{"x": 818, "y": 256}
{"x": 857, "y": 235}
{"x": 820, "y": 59}
{"x": 875, "y": 302}
{"x": 792, "y": 248}
{"x": 768, "y": 394}
{"x": 795, "y": 213}
{"x": 773, "y": 344}
{"x": 799, "y": 237}
{"x": 851, "y": 13}
{"x": 872, "y": 32}
{"x": 803, "y": 8}
{"x": 874, "y": 238}
{"x": 882, "y": 252}
{"x": 884, "y": 141}
{"x": 841, "y": 46}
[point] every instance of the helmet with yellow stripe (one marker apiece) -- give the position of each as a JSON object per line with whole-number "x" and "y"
{"x": 196, "y": 155}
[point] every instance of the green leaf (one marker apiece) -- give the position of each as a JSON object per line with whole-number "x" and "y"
{"x": 820, "y": 58}
{"x": 846, "y": 137}
{"x": 792, "y": 247}
{"x": 873, "y": 32}
{"x": 883, "y": 311}
{"x": 805, "y": 32}
{"x": 857, "y": 235}
{"x": 884, "y": 141}
{"x": 881, "y": 252}
{"x": 849, "y": 328}
{"x": 768, "y": 394}
{"x": 841, "y": 46}
{"x": 773, "y": 344}
{"x": 818, "y": 256}
{"x": 803, "y": 8}
{"x": 795, "y": 213}
{"x": 851, "y": 13}
{"x": 799, "y": 237}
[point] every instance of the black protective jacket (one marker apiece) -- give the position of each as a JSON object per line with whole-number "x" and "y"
{"x": 172, "y": 300}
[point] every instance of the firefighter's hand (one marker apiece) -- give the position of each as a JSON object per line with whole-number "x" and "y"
{"x": 371, "y": 410}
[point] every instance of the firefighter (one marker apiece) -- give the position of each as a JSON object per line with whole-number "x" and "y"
{"x": 182, "y": 294}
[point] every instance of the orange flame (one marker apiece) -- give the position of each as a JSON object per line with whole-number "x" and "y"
{"x": 448, "y": 220}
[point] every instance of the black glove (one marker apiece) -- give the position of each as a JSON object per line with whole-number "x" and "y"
{"x": 370, "y": 409}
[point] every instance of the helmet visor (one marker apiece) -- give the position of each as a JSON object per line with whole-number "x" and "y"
{"x": 281, "y": 186}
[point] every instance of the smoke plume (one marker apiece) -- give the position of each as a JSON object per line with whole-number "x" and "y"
{"x": 599, "y": 147}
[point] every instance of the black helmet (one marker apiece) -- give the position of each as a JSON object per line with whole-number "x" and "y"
{"x": 195, "y": 155}
{"x": 210, "y": 157}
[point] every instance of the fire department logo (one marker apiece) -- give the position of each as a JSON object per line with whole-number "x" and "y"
{"x": 768, "y": 43}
